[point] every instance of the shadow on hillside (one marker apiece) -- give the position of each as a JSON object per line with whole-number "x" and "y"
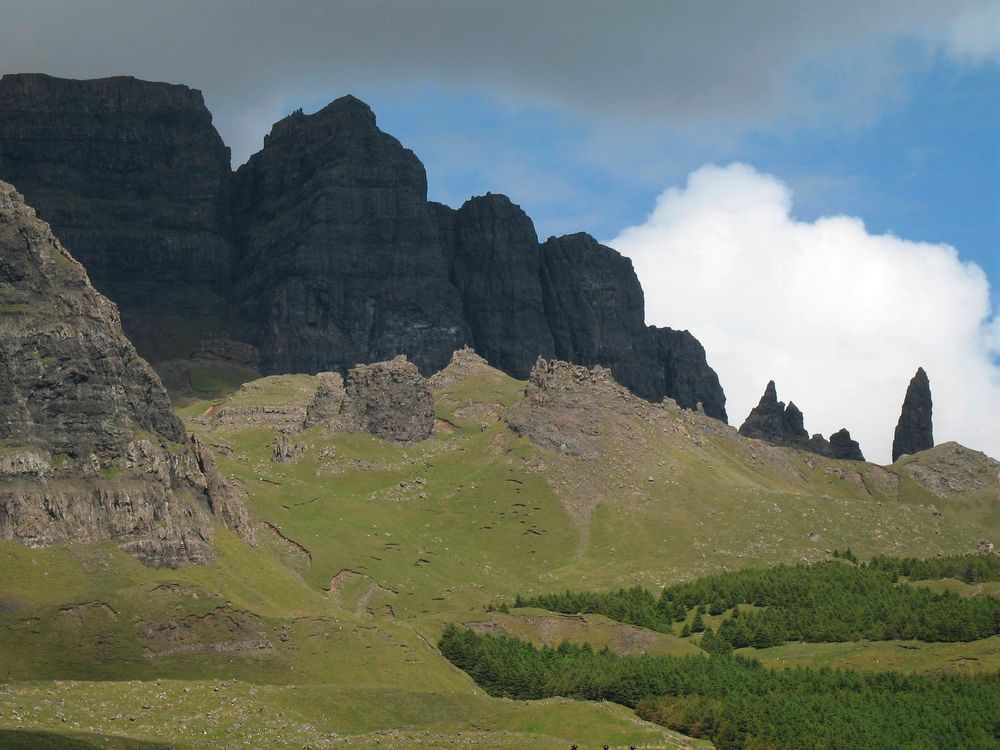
{"x": 18, "y": 740}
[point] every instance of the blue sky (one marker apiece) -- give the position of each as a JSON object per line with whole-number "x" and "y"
{"x": 925, "y": 165}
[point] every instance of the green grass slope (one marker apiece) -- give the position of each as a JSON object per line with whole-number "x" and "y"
{"x": 323, "y": 635}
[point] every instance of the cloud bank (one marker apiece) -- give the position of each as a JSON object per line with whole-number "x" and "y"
{"x": 692, "y": 64}
{"x": 840, "y": 318}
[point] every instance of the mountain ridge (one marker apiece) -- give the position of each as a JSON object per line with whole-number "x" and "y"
{"x": 324, "y": 241}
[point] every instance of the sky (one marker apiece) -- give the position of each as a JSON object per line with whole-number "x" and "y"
{"x": 812, "y": 188}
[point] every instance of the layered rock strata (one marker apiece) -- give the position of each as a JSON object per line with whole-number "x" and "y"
{"x": 134, "y": 179}
{"x": 90, "y": 449}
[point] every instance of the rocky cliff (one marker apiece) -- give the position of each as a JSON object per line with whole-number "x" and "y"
{"x": 324, "y": 245}
{"x": 342, "y": 262}
{"x": 89, "y": 449}
{"x": 134, "y": 179}
{"x": 915, "y": 430}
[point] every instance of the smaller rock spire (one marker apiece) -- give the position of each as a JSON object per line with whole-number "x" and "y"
{"x": 784, "y": 425}
{"x": 914, "y": 431}
{"x": 844, "y": 447}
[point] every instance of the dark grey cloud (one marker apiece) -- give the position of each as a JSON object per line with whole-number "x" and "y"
{"x": 689, "y": 63}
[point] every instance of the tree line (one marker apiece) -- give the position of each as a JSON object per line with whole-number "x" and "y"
{"x": 823, "y": 602}
{"x": 737, "y": 703}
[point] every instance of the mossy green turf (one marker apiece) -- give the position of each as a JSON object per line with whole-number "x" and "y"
{"x": 413, "y": 537}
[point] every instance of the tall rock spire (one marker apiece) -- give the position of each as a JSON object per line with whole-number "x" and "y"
{"x": 914, "y": 431}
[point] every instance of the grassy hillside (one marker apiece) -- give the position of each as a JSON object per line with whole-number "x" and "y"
{"x": 324, "y": 634}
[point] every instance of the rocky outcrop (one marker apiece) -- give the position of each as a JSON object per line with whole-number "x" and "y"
{"x": 782, "y": 425}
{"x": 324, "y": 243}
{"x": 680, "y": 371}
{"x": 915, "y": 431}
{"x": 464, "y": 365}
{"x": 951, "y": 468}
{"x": 843, "y": 447}
{"x": 91, "y": 450}
{"x": 390, "y": 400}
{"x": 134, "y": 179}
{"x": 567, "y": 407}
{"x": 329, "y": 406}
{"x": 774, "y": 422}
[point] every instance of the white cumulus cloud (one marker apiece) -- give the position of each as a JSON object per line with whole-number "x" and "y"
{"x": 839, "y": 317}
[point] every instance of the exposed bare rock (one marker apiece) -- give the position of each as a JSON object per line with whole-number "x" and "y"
{"x": 465, "y": 364}
{"x": 391, "y": 400}
{"x": 566, "y": 407}
{"x": 24, "y": 463}
{"x": 772, "y": 421}
{"x": 324, "y": 242}
{"x": 90, "y": 449}
{"x": 843, "y": 447}
{"x": 950, "y": 468}
{"x": 595, "y": 308}
{"x": 134, "y": 178}
{"x": 914, "y": 431}
{"x": 286, "y": 450}
{"x": 341, "y": 258}
{"x": 225, "y": 502}
{"x": 328, "y": 407}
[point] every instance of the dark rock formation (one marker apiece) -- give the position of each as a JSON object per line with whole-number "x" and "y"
{"x": 915, "y": 431}
{"x": 391, "y": 400}
{"x": 843, "y": 447}
{"x": 133, "y": 178}
{"x": 342, "y": 258}
{"x": 495, "y": 264}
{"x": 595, "y": 308}
{"x": 772, "y": 421}
{"x": 784, "y": 425}
{"x": 323, "y": 242}
{"x": 90, "y": 448}
{"x": 680, "y": 370}
{"x": 819, "y": 445}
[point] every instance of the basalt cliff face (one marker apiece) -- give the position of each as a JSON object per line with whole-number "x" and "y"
{"x": 324, "y": 244}
{"x": 89, "y": 449}
{"x": 342, "y": 259}
{"x": 134, "y": 179}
